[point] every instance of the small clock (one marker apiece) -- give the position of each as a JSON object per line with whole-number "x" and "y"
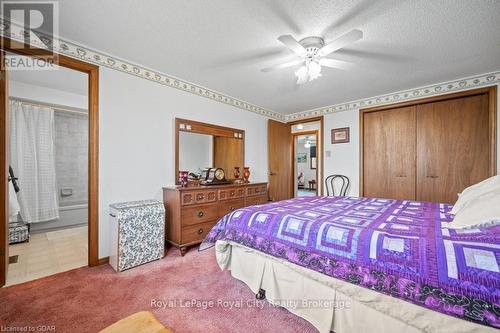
{"x": 215, "y": 176}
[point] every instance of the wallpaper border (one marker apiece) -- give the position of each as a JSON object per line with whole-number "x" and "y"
{"x": 83, "y": 53}
{"x": 402, "y": 96}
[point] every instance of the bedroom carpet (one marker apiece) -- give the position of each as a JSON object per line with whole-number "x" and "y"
{"x": 89, "y": 299}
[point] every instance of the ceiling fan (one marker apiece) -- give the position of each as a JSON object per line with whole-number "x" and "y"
{"x": 312, "y": 52}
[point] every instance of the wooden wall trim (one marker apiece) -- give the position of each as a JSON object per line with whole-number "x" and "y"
{"x": 103, "y": 261}
{"x": 93, "y": 136}
{"x": 4, "y": 174}
{"x": 492, "y": 128}
{"x": 492, "y": 103}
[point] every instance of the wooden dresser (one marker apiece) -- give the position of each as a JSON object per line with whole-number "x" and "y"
{"x": 191, "y": 212}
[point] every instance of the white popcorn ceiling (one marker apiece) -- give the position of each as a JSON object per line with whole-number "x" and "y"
{"x": 223, "y": 44}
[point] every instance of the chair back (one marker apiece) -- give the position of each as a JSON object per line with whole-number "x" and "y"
{"x": 331, "y": 182}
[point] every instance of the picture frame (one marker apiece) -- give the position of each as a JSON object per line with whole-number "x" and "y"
{"x": 340, "y": 135}
{"x": 301, "y": 158}
{"x": 313, "y": 157}
{"x": 313, "y": 163}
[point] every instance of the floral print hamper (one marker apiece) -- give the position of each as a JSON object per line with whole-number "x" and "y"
{"x": 137, "y": 233}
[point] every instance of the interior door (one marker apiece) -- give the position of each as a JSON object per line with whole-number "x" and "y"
{"x": 453, "y": 147}
{"x": 389, "y": 153}
{"x": 280, "y": 160}
{"x": 4, "y": 229}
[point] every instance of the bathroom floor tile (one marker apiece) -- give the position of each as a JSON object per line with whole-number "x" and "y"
{"x": 47, "y": 254}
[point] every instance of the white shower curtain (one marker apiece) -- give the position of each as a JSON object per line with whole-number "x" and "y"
{"x": 31, "y": 153}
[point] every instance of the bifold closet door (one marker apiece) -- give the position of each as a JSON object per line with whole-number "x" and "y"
{"x": 389, "y": 153}
{"x": 452, "y": 147}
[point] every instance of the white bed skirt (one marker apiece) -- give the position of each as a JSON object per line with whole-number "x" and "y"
{"x": 331, "y": 304}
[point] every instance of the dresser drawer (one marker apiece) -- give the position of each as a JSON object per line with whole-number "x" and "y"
{"x": 196, "y": 233}
{"x": 198, "y": 214}
{"x": 256, "y": 190}
{"x": 198, "y": 197}
{"x": 231, "y": 193}
{"x": 256, "y": 200}
{"x": 228, "y": 206}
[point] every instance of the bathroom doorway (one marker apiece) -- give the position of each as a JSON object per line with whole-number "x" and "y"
{"x": 51, "y": 115}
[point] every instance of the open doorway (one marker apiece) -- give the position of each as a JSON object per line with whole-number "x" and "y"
{"x": 48, "y": 172}
{"x": 307, "y": 158}
{"x": 73, "y": 224}
{"x": 305, "y": 163}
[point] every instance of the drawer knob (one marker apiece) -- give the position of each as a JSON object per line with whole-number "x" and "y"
{"x": 200, "y": 214}
{"x": 200, "y": 231}
{"x": 232, "y": 208}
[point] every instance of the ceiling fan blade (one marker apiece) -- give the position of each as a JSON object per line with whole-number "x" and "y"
{"x": 285, "y": 65}
{"x": 292, "y": 44}
{"x": 340, "y": 42}
{"x": 339, "y": 64}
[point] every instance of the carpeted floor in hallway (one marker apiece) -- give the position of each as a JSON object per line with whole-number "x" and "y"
{"x": 89, "y": 299}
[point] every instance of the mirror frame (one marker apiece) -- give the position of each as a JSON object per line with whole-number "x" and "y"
{"x": 191, "y": 126}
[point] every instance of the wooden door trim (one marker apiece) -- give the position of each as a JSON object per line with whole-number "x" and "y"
{"x": 4, "y": 175}
{"x": 294, "y": 135}
{"x": 320, "y": 145}
{"x": 492, "y": 128}
{"x": 92, "y": 71}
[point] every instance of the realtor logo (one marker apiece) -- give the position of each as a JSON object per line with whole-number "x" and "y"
{"x": 30, "y": 25}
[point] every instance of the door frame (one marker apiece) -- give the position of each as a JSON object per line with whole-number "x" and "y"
{"x": 320, "y": 176}
{"x": 491, "y": 91}
{"x": 8, "y": 45}
{"x": 294, "y": 136}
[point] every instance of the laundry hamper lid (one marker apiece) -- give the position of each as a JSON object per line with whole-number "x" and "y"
{"x": 133, "y": 204}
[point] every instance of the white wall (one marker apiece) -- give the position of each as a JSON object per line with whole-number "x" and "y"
{"x": 47, "y": 95}
{"x": 137, "y": 138}
{"x": 344, "y": 157}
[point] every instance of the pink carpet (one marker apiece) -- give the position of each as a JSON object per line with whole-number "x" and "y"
{"x": 89, "y": 299}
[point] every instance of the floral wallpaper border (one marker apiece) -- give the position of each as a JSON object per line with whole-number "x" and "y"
{"x": 406, "y": 95}
{"x": 89, "y": 55}
{"x": 74, "y": 50}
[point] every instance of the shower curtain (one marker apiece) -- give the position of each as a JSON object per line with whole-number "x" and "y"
{"x": 31, "y": 153}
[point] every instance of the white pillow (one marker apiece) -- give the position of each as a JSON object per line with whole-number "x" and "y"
{"x": 474, "y": 191}
{"x": 482, "y": 211}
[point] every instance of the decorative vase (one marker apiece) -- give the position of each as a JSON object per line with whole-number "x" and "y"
{"x": 236, "y": 174}
{"x": 183, "y": 178}
{"x": 246, "y": 174}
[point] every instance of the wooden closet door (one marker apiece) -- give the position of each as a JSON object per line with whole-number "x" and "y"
{"x": 452, "y": 147}
{"x": 389, "y": 153}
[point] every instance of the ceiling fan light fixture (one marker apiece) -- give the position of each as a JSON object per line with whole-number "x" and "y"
{"x": 308, "y": 72}
{"x": 301, "y": 74}
{"x": 314, "y": 70}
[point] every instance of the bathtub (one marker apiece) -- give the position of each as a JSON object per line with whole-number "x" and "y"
{"x": 71, "y": 214}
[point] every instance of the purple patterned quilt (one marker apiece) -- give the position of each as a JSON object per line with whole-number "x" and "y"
{"x": 398, "y": 248}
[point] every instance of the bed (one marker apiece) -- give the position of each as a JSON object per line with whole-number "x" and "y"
{"x": 359, "y": 264}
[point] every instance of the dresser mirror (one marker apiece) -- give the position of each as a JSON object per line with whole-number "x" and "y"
{"x": 200, "y": 145}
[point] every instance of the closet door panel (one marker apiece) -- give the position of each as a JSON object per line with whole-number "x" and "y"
{"x": 389, "y": 153}
{"x": 452, "y": 147}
